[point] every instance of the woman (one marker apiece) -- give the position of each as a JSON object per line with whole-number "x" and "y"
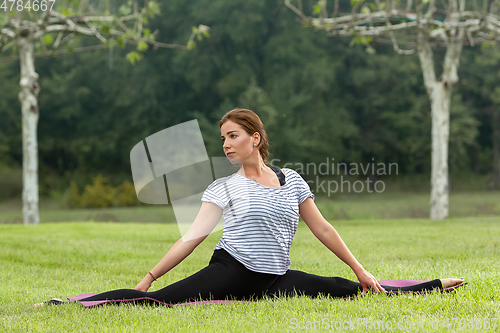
{"x": 261, "y": 209}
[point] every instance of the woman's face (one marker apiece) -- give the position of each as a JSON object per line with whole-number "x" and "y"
{"x": 237, "y": 144}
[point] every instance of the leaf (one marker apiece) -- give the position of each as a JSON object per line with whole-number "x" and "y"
{"x": 121, "y": 41}
{"x": 199, "y": 37}
{"x": 133, "y": 57}
{"x": 194, "y": 30}
{"x": 191, "y": 45}
{"x": 48, "y": 39}
{"x": 316, "y": 10}
{"x": 365, "y": 10}
{"x": 124, "y": 10}
{"x": 142, "y": 46}
{"x": 153, "y": 8}
{"x": 105, "y": 29}
{"x": 66, "y": 12}
{"x": 425, "y": 1}
{"x": 370, "y": 50}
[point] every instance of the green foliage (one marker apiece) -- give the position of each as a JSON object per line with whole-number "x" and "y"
{"x": 125, "y": 9}
{"x": 101, "y": 195}
{"x": 153, "y": 8}
{"x": 134, "y": 56}
{"x": 318, "y": 97}
{"x": 11, "y": 182}
{"x": 142, "y": 46}
{"x": 126, "y": 195}
{"x": 48, "y": 39}
{"x": 191, "y": 45}
{"x": 73, "y": 198}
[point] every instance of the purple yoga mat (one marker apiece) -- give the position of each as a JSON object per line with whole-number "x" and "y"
{"x": 94, "y": 303}
{"x": 401, "y": 283}
{"x": 407, "y": 283}
{"x": 391, "y": 283}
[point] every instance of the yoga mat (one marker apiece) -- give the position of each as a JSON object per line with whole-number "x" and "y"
{"x": 391, "y": 283}
{"x": 94, "y": 303}
{"x": 407, "y": 283}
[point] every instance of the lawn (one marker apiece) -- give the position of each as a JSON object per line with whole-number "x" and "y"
{"x": 67, "y": 259}
{"x": 389, "y": 205}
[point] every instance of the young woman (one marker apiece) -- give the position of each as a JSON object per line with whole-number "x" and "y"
{"x": 261, "y": 208}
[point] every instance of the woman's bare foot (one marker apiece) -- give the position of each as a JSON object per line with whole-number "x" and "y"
{"x": 450, "y": 282}
{"x": 52, "y": 301}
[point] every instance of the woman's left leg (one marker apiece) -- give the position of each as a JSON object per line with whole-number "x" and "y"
{"x": 301, "y": 283}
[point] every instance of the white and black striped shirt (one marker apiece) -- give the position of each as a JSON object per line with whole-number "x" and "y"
{"x": 259, "y": 221}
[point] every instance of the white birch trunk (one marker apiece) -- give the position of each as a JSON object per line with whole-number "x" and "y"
{"x": 440, "y": 109}
{"x": 29, "y": 104}
{"x": 439, "y": 92}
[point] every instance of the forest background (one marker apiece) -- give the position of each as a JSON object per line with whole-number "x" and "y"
{"x": 321, "y": 98}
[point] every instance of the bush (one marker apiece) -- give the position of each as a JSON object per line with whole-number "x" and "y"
{"x": 101, "y": 195}
{"x": 11, "y": 183}
{"x": 126, "y": 195}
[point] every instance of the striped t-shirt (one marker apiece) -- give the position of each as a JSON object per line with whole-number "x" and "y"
{"x": 259, "y": 221}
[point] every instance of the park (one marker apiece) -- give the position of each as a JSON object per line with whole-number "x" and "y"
{"x": 388, "y": 111}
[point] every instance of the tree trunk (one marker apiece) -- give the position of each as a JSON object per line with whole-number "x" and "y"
{"x": 439, "y": 92}
{"x": 440, "y": 109}
{"x": 29, "y": 104}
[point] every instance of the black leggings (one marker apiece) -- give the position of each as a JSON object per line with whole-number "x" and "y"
{"x": 226, "y": 278}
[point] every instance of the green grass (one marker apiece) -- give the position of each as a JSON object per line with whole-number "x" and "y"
{"x": 390, "y": 205}
{"x": 67, "y": 259}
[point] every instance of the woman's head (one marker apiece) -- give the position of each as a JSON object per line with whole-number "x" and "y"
{"x": 253, "y": 127}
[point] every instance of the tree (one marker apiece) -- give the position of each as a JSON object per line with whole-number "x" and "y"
{"x": 482, "y": 87}
{"x": 420, "y": 25}
{"x": 29, "y": 25}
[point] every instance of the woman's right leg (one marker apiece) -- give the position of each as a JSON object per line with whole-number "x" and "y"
{"x": 223, "y": 278}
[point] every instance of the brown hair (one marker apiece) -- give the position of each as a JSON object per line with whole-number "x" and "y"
{"x": 251, "y": 123}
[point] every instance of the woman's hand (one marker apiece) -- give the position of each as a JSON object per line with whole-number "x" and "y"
{"x": 368, "y": 280}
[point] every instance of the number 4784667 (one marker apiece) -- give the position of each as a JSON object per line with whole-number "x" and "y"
{"x": 21, "y": 5}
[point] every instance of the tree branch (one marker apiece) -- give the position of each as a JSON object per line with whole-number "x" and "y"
{"x": 295, "y": 10}
{"x": 92, "y": 48}
{"x": 426, "y": 60}
{"x": 396, "y": 46}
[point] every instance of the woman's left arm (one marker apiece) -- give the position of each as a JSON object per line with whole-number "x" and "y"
{"x": 327, "y": 234}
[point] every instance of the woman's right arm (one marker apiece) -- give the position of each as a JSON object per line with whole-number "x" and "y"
{"x": 206, "y": 220}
